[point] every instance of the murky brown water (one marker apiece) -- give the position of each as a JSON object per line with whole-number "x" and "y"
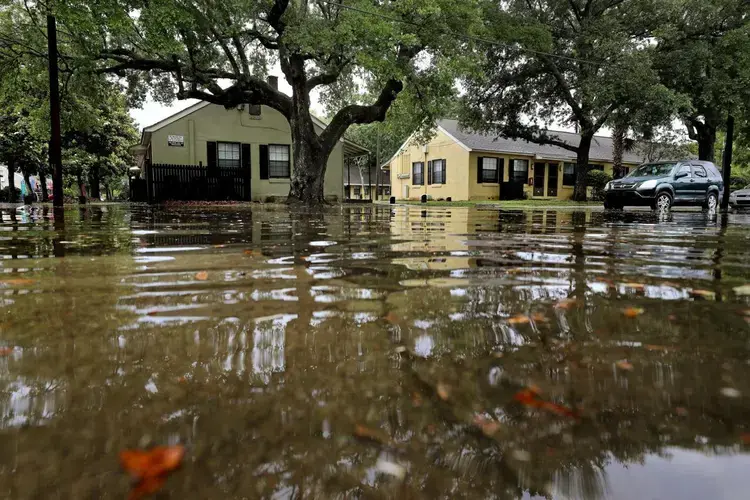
{"x": 376, "y": 352}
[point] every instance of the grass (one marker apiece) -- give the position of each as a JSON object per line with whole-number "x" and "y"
{"x": 505, "y": 203}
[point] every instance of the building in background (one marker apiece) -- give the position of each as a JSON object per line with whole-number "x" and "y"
{"x": 465, "y": 165}
{"x": 360, "y": 182}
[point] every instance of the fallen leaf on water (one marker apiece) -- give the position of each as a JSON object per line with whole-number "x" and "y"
{"x": 220, "y": 246}
{"x": 519, "y": 320}
{"x": 566, "y": 304}
{"x": 392, "y": 318}
{"x": 624, "y": 365}
{"x": 704, "y": 294}
{"x": 488, "y": 426}
{"x": 443, "y": 391}
{"x": 150, "y": 467}
{"x": 528, "y": 397}
{"x": 370, "y": 434}
{"x": 742, "y": 290}
{"x": 252, "y": 253}
{"x": 730, "y": 392}
{"x": 201, "y": 276}
{"x": 745, "y": 437}
{"x": 672, "y": 317}
{"x": 391, "y": 468}
{"x": 681, "y": 412}
{"x": 654, "y": 347}
{"x": 632, "y": 312}
{"x": 6, "y": 351}
{"x": 181, "y": 380}
{"x": 539, "y": 318}
{"x": 18, "y": 281}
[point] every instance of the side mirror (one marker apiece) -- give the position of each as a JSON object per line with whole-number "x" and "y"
{"x": 680, "y": 175}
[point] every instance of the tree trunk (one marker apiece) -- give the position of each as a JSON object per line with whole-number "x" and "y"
{"x": 81, "y": 190}
{"x": 308, "y": 172}
{"x": 618, "y": 147}
{"x": 29, "y": 198}
{"x": 43, "y": 185}
{"x": 94, "y": 183}
{"x": 582, "y": 166}
{"x": 707, "y": 143}
{"x": 12, "y": 182}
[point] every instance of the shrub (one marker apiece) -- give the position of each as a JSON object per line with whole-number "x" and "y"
{"x": 5, "y": 194}
{"x": 597, "y": 179}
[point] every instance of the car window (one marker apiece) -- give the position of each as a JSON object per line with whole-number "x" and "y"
{"x": 685, "y": 169}
{"x": 699, "y": 171}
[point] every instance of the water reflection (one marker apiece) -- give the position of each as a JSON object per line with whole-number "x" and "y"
{"x": 261, "y": 337}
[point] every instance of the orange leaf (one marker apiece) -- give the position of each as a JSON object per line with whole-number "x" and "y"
{"x": 566, "y": 304}
{"x": 155, "y": 462}
{"x": 147, "y": 486}
{"x": 488, "y": 426}
{"x": 252, "y": 253}
{"x": 201, "y": 276}
{"x": 6, "y": 351}
{"x": 745, "y": 437}
{"x": 632, "y": 312}
{"x": 18, "y": 281}
{"x": 519, "y": 320}
{"x": 181, "y": 380}
{"x": 376, "y": 435}
{"x": 624, "y": 365}
{"x": 392, "y": 318}
{"x": 539, "y": 318}
{"x": 443, "y": 391}
{"x": 704, "y": 294}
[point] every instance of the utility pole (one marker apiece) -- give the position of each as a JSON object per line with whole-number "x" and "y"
{"x": 55, "y": 143}
{"x": 727, "y": 173}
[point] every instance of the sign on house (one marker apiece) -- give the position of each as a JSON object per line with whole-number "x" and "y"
{"x": 177, "y": 141}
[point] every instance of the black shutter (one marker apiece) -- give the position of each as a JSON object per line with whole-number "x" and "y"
{"x": 211, "y": 154}
{"x": 245, "y": 157}
{"x": 429, "y": 172}
{"x": 480, "y": 167}
{"x": 500, "y": 169}
{"x": 263, "y": 161}
{"x": 445, "y": 171}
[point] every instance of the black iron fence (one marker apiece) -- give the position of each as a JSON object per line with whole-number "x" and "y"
{"x": 197, "y": 182}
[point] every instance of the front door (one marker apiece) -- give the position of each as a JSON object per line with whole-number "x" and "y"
{"x": 552, "y": 180}
{"x": 539, "y": 170}
{"x": 683, "y": 186}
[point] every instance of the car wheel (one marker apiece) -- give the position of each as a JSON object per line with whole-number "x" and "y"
{"x": 712, "y": 201}
{"x": 663, "y": 202}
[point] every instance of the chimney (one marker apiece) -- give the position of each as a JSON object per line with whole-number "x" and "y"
{"x": 273, "y": 81}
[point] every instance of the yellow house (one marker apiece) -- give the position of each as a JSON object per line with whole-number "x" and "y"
{"x": 464, "y": 165}
{"x": 208, "y": 152}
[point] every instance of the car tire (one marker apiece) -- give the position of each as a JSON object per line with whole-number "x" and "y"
{"x": 663, "y": 201}
{"x": 712, "y": 202}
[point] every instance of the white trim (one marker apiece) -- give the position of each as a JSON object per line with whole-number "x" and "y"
{"x": 398, "y": 151}
{"x": 467, "y": 148}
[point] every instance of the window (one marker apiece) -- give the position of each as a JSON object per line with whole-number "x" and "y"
{"x": 357, "y": 192}
{"x": 699, "y": 171}
{"x": 417, "y": 173}
{"x": 598, "y": 167}
{"x": 367, "y": 191}
{"x": 489, "y": 170}
{"x": 438, "y": 172}
{"x": 520, "y": 171}
{"x": 278, "y": 161}
{"x": 569, "y": 174}
{"x": 253, "y": 109}
{"x": 229, "y": 155}
{"x": 684, "y": 169}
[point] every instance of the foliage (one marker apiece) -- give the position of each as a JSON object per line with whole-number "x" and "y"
{"x": 664, "y": 144}
{"x": 572, "y": 63}
{"x": 597, "y": 180}
{"x": 703, "y": 53}
{"x": 357, "y": 57}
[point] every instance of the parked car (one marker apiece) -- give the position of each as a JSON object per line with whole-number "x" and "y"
{"x": 740, "y": 198}
{"x": 663, "y": 184}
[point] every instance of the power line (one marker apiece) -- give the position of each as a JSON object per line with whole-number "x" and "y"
{"x": 460, "y": 35}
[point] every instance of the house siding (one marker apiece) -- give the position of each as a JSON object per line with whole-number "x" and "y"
{"x": 215, "y": 123}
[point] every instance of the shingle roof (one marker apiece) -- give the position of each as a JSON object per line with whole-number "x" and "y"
{"x": 601, "y": 147}
{"x": 354, "y": 176}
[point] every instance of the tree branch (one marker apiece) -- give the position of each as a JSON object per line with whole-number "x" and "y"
{"x": 567, "y": 94}
{"x": 275, "y": 14}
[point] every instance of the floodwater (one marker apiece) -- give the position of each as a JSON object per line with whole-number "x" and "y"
{"x": 376, "y": 352}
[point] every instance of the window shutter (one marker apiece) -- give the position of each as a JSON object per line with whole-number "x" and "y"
{"x": 500, "y": 169}
{"x": 245, "y": 157}
{"x": 211, "y": 154}
{"x": 480, "y": 168}
{"x": 264, "y": 161}
{"x": 429, "y": 172}
{"x": 445, "y": 171}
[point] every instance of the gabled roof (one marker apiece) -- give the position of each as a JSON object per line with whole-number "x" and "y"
{"x": 483, "y": 142}
{"x": 351, "y": 148}
{"x": 601, "y": 147}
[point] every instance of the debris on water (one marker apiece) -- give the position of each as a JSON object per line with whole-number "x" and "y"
{"x": 519, "y": 320}
{"x": 391, "y": 468}
{"x": 624, "y": 365}
{"x": 416, "y": 399}
{"x": 443, "y": 391}
{"x": 201, "y": 276}
{"x": 539, "y": 318}
{"x": 681, "y": 411}
{"x": 529, "y": 397}
{"x": 18, "y": 282}
{"x": 632, "y": 312}
{"x": 392, "y": 318}
{"x": 375, "y": 435}
{"x": 151, "y": 467}
{"x": 703, "y": 294}
{"x": 521, "y": 455}
{"x": 730, "y": 392}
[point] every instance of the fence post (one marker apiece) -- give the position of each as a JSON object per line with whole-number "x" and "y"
{"x": 149, "y": 182}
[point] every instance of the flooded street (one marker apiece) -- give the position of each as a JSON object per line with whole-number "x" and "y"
{"x": 376, "y": 352}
